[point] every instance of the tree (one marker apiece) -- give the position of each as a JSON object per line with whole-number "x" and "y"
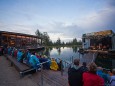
{"x": 58, "y": 42}
{"x": 45, "y": 37}
{"x": 38, "y": 33}
{"x": 74, "y": 41}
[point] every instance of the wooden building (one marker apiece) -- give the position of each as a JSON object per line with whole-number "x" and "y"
{"x": 19, "y": 40}
{"x": 99, "y": 40}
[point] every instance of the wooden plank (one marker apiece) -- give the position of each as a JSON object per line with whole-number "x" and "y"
{"x": 19, "y": 66}
{"x": 22, "y": 68}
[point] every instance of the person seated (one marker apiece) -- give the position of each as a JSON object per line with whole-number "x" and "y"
{"x": 46, "y": 65}
{"x": 12, "y": 52}
{"x": 24, "y": 56}
{"x": 9, "y": 50}
{"x": 54, "y": 65}
{"x": 27, "y": 58}
{"x": 19, "y": 55}
{"x": 34, "y": 61}
{"x": 15, "y": 53}
{"x": 60, "y": 65}
{"x": 1, "y": 51}
{"x": 37, "y": 55}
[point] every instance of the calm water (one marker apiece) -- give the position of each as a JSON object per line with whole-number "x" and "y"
{"x": 64, "y": 53}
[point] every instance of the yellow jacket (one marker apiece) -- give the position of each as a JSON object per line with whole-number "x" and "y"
{"x": 54, "y": 65}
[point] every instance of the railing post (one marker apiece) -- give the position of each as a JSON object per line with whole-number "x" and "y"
{"x": 65, "y": 65}
{"x": 79, "y": 55}
{"x": 93, "y": 57}
{"x": 62, "y": 68}
{"x": 72, "y": 59}
{"x": 41, "y": 75}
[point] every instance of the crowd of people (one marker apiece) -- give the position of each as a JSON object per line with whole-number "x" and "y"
{"x": 89, "y": 75}
{"x": 33, "y": 59}
{"x": 85, "y": 75}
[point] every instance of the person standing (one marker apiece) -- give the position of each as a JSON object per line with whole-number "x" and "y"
{"x": 84, "y": 67}
{"x": 90, "y": 78}
{"x": 75, "y": 74}
{"x": 112, "y": 78}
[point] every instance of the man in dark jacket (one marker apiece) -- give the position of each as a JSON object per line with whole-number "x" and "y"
{"x": 75, "y": 74}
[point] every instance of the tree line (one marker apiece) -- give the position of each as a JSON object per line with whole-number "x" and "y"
{"x": 48, "y": 42}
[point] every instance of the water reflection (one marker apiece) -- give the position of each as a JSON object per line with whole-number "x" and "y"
{"x": 66, "y": 53}
{"x": 47, "y": 51}
{"x": 62, "y": 52}
{"x": 104, "y": 61}
{"x": 75, "y": 49}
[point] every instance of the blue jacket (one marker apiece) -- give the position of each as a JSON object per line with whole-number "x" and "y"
{"x": 19, "y": 55}
{"x": 103, "y": 75}
{"x": 33, "y": 60}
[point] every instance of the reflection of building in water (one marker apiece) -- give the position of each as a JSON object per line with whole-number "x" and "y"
{"x": 18, "y": 39}
{"x": 99, "y": 40}
{"x": 104, "y": 60}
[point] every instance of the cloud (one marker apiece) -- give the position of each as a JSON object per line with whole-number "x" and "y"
{"x": 111, "y": 3}
{"x": 64, "y": 31}
{"x": 101, "y": 20}
{"x": 27, "y": 29}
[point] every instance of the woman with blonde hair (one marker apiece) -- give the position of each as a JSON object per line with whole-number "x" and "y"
{"x": 90, "y": 78}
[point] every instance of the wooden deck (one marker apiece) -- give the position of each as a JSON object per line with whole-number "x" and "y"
{"x": 50, "y": 78}
{"x": 55, "y": 78}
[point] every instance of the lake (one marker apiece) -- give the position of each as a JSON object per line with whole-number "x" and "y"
{"x": 64, "y": 53}
{"x": 70, "y": 53}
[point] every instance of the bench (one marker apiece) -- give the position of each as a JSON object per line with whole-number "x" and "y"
{"x": 22, "y": 68}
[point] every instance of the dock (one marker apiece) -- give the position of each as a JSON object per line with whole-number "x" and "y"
{"x": 10, "y": 77}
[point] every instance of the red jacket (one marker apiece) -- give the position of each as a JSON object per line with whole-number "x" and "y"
{"x": 90, "y": 79}
{"x": 15, "y": 53}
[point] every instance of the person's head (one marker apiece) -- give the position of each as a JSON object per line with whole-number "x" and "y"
{"x": 92, "y": 67}
{"x": 84, "y": 64}
{"x": 53, "y": 59}
{"x": 76, "y": 61}
{"x": 33, "y": 53}
{"x": 105, "y": 71}
{"x": 113, "y": 71}
{"x": 36, "y": 54}
{"x": 100, "y": 68}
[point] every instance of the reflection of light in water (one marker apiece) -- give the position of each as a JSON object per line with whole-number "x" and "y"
{"x": 53, "y": 51}
{"x": 65, "y": 53}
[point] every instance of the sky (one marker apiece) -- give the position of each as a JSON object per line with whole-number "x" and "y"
{"x": 64, "y": 19}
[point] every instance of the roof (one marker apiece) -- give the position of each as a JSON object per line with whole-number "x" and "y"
{"x": 98, "y": 34}
{"x": 19, "y": 34}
